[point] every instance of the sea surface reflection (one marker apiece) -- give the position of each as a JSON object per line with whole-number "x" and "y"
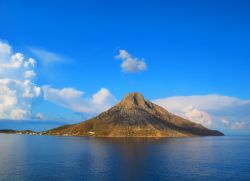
{"x": 25, "y": 157}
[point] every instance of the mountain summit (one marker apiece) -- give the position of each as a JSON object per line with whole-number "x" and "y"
{"x": 135, "y": 117}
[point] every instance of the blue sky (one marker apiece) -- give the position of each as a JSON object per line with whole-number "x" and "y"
{"x": 188, "y": 47}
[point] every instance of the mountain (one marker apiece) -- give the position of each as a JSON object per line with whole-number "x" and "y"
{"x": 135, "y": 117}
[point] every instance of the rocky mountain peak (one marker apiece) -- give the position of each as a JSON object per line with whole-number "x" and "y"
{"x": 135, "y": 99}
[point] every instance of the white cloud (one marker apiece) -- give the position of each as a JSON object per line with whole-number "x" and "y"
{"x": 73, "y": 99}
{"x": 210, "y": 110}
{"x": 102, "y": 100}
{"x": 48, "y": 57}
{"x": 225, "y": 122}
{"x": 131, "y": 64}
{"x": 196, "y": 115}
{"x": 204, "y": 102}
{"x": 17, "y": 88}
{"x": 29, "y": 74}
{"x": 238, "y": 125}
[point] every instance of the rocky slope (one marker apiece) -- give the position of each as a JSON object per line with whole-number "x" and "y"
{"x": 135, "y": 117}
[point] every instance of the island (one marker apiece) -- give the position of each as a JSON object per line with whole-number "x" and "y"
{"x": 134, "y": 116}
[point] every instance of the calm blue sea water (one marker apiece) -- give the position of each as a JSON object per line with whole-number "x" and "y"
{"x": 25, "y": 157}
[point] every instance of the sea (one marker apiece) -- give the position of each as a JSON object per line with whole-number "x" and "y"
{"x": 39, "y": 158}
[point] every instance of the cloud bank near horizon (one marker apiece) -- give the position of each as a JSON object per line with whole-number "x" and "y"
{"x": 18, "y": 92}
{"x": 213, "y": 110}
{"x": 75, "y": 100}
